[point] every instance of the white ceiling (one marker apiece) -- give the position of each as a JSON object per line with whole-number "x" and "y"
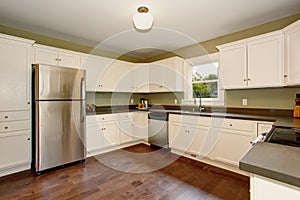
{"x": 108, "y": 23}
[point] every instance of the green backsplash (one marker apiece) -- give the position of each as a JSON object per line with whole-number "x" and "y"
{"x": 115, "y": 98}
{"x": 278, "y": 98}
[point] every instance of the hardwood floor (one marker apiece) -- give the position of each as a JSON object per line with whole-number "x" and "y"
{"x": 100, "y": 178}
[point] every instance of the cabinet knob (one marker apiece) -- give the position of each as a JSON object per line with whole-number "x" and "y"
{"x": 28, "y": 138}
{"x": 230, "y": 124}
{"x": 248, "y": 79}
{"x": 6, "y": 117}
{"x": 59, "y": 59}
{"x": 245, "y": 79}
{"x": 285, "y": 76}
{"x": 28, "y": 102}
{"x": 6, "y": 127}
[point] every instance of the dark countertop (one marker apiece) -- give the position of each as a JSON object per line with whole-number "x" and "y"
{"x": 275, "y": 161}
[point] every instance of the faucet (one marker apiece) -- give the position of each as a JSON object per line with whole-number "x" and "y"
{"x": 201, "y": 108}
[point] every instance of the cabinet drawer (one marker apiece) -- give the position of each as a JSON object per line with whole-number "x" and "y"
{"x": 14, "y": 126}
{"x": 235, "y": 124}
{"x": 91, "y": 119}
{"x": 13, "y": 116}
{"x": 124, "y": 116}
{"x": 188, "y": 119}
{"x": 105, "y": 117}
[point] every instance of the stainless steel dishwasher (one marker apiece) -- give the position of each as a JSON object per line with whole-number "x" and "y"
{"x": 158, "y": 129}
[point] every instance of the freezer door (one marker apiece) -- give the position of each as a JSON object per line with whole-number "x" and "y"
{"x": 60, "y": 133}
{"x": 58, "y": 83}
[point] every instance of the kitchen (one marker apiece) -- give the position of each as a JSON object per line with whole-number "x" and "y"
{"x": 250, "y": 107}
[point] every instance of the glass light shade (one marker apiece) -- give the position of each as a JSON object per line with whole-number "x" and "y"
{"x": 143, "y": 21}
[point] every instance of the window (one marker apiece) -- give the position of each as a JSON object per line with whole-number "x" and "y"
{"x": 205, "y": 80}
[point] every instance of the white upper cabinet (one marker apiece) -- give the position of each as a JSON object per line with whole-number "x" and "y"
{"x": 166, "y": 75}
{"x": 14, "y": 73}
{"x": 133, "y": 77}
{"x": 56, "y": 56}
{"x": 233, "y": 66}
{"x": 100, "y": 73}
{"x": 292, "y": 58}
{"x": 256, "y": 62}
{"x": 125, "y": 76}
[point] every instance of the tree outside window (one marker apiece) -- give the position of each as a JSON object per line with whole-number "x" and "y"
{"x": 205, "y": 80}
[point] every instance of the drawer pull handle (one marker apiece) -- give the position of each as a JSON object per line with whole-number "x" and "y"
{"x": 5, "y": 117}
{"x": 6, "y": 127}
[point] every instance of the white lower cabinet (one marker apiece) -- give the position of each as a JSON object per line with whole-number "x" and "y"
{"x": 231, "y": 146}
{"x": 110, "y": 131}
{"x": 262, "y": 188}
{"x": 125, "y": 131}
{"x": 221, "y": 140}
{"x": 140, "y": 126}
{"x": 190, "y": 134}
{"x": 110, "y": 134}
{"x": 101, "y": 133}
{"x": 15, "y": 151}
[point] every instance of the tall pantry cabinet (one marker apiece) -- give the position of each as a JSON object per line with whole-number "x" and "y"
{"x": 15, "y": 56}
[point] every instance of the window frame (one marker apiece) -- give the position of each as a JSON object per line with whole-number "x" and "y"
{"x": 199, "y": 60}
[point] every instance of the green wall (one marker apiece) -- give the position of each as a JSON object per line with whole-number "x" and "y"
{"x": 110, "y": 98}
{"x": 279, "y": 98}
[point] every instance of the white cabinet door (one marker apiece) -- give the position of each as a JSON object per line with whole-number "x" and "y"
{"x": 166, "y": 75}
{"x": 200, "y": 142}
{"x": 173, "y": 73}
{"x": 94, "y": 138}
{"x": 292, "y": 58}
{"x": 14, "y": 75}
{"x": 108, "y": 79}
{"x": 140, "y": 79}
{"x": 46, "y": 56}
{"x": 15, "y": 150}
{"x": 55, "y": 56}
{"x": 262, "y": 188}
{"x": 183, "y": 138}
{"x": 95, "y": 67}
{"x": 233, "y": 66}
{"x": 231, "y": 146}
{"x": 125, "y": 131}
{"x": 156, "y": 78}
{"x": 67, "y": 59}
{"x": 110, "y": 134}
{"x": 265, "y": 62}
{"x": 140, "y": 125}
{"x": 125, "y": 76}
{"x": 177, "y": 137}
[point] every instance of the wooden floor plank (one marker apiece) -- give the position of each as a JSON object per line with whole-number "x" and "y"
{"x": 103, "y": 177}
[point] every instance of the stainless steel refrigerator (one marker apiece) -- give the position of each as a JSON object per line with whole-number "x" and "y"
{"x": 58, "y": 116}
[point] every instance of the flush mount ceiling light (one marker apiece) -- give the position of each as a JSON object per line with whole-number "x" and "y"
{"x": 142, "y": 20}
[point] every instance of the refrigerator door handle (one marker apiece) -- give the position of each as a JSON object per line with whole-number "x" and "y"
{"x": 82, "y": 89}
{"x": 82, "y": 102}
